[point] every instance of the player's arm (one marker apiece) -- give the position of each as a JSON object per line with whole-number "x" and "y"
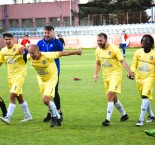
{"x": 70, "y": 52}
{"x": 22, "y": 49}
{"x": 127, "y": 68}
{"x": 97, "y": 69}
{"x": 134, "y": 63}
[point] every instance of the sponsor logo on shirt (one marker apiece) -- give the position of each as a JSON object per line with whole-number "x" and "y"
{"x": 106, "y": 64}
{"x": 11, "y": 61}
{"x": 144, "y": 68}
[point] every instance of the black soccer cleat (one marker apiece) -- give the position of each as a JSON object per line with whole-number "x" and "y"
{"x": 124, "y": 118}
{"x": 47, "y": 118}
{"x": 106, "y": 123}
{"x": 54, "y": 121}
{"x": 61, "y": 115}
{"x": 59, "y": 122}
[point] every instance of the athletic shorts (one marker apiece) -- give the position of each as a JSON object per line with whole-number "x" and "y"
{"x": 145, "y": 89}
{"x": 113, "y": 85}
{"x": 47, "y": 88}
{"x": 16, "y": 83}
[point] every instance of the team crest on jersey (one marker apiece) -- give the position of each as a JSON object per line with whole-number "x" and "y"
{"x": 43, "y": 62}
{"x": 116, "y": 87}
{"x": 14, "y": 50}
{"x": 151, "y": 57}
{"x": 109, "y": 53}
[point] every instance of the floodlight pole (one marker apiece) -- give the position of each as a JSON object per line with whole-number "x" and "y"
{"x": 70, "y": 12}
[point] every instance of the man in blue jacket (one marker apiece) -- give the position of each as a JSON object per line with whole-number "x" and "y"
{"x": 47, "y": 44}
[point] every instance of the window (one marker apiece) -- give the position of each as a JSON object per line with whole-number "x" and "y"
{"x": 14, "y": 23}
{"x": 40, "y": 22}
{"x": 55, "y": 22}
{"x": 27, "y": 23}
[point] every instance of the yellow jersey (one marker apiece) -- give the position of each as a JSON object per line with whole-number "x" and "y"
{"x": 13, "y": 60}
{"x": 143, "y": 65}
{"x": 45, "y": 66}
{"x": 110, "y": 61}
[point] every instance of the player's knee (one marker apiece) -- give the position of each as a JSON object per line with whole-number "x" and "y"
{"x": 46, "y": 100}
{"x": 111, "y": 96}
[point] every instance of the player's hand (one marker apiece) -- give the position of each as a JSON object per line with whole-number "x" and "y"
{"x": 21, "y": 50}
{"x": 95, "y": 78}
{"x": 131, "y": 75}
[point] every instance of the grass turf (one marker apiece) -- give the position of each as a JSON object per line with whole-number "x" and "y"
{"x": 84, "y": 106}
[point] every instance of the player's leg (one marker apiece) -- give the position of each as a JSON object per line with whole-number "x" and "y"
{"x": 151, "y": 116}
{"x": 25, "y": 108}
{"x": 110, "y": 104}
{"x": 123, "y": 49}
{"x": 12, "y": 104}
{"x": 57, "y": 99}
{"x": 146, "y": 95}
{"x": 48, "y": 94}
{"x": 3, "y": 107}
{"x": 120, "y": 108}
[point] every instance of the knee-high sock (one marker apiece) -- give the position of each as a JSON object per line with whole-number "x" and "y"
{"x": 149, "y": 109}
{"x": 11, "y": 109}
{"x": 144, "y": 107}
{"x": 25, "y": 108}
{"x": 110, "y": 108}
{"x": 120, "y": 108}
{"x": 53, "y": 110}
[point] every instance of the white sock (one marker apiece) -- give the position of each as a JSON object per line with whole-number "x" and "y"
{"x": 10, "y": 110}
{"x": 53, "y": 110}
{"x": 25, "y": 108}
{"x": 144, "y": 107}
{"x": 110, "y": 108}
{"x": 149, "y": 109}
{"x": 120, "y": 108}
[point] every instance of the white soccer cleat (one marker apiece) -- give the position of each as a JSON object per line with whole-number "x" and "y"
{"x": 139, "y": 123}
{"x": 150, "y": 119}
{"x": 26, "y": 118}
{"x": 5, "y": 120}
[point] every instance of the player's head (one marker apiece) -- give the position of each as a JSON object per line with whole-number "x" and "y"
{"x": 147, "y": 42}
{"x": 34, "y": 52}
{"x": 102, "y": 40}
{"x": 49, "y": 33}
{"x": 8, "y": 39}
{"x": 26, "y": 36}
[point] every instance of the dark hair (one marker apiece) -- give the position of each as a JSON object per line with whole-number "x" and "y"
{"x": 26, "y": 35}
{"x": 49, "y": 28}
{"x": 151, "y": 39}
{"x": 102, "y": 34}
{"x": 7, "y": 35}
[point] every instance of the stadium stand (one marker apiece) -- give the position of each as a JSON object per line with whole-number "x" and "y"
{"x": 146, "y": 28}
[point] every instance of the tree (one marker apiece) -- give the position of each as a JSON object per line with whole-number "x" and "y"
{"x": 115, "y": 7}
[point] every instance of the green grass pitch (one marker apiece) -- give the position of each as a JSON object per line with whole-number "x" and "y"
{"x": 84, "y": 106}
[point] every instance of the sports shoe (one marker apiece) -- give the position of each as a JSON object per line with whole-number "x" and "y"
{"x": 139, "y": 123}
{"x": 26, "y": 118}
{"x": 61, "y": 115}
{"x": 106, "y": 123}
{"x": 150, "y": 132}
{"x": 5, "y": 120}
{"x": 54, "y": 121}
{"x": 47, "y": 118}
{"x": 150, "y": 119}
{"x": 124, "y": 118}
{"x": 59, "y": 122}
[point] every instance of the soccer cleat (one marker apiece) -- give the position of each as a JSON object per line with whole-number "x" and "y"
{"x": 54, "y": 121}
{"x": 139, "y": 123}
{"x": 150, "y": 132}
{"x": 5, "y": 120}
{"x": 59, "y": 122}
{"x": 61, "y": 115}
{"x": 150, "y": 119}
{"x": 47, "y": 118}
{"x": 124, "y": 118}
{"x": 106, "y": 123}
{"x": 26, "y": 118}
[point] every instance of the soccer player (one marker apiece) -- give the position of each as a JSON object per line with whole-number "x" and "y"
{"x": 110, "y": 58}
{"x": 47, "y": 75}
{"x": 52, "y": 44}
{"x": 143, "y": 65}
{"x": 124, "y": 42}
{"x": 12, "y": 56}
